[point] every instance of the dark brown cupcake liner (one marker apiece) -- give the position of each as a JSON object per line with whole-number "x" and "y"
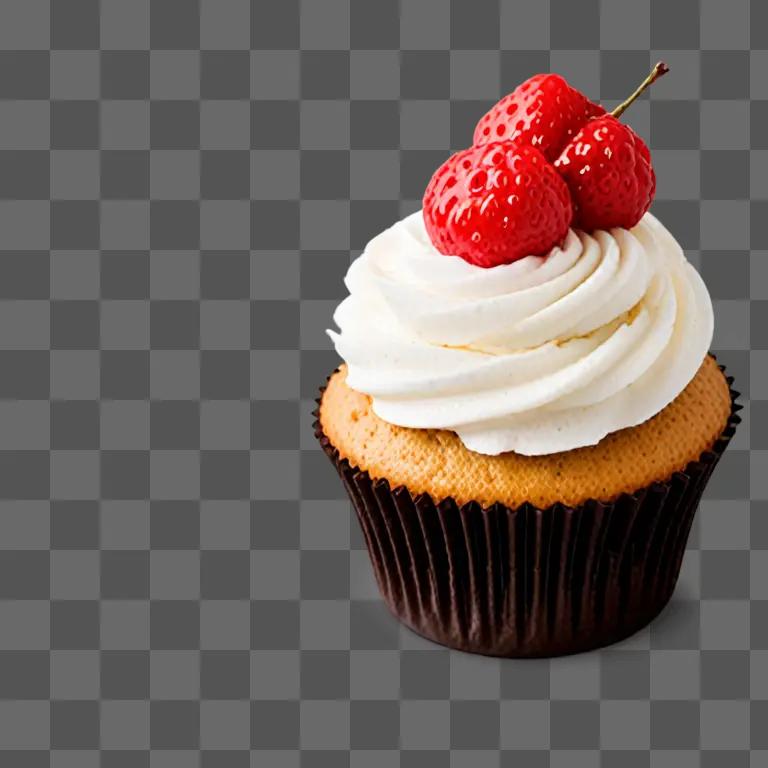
{"x": 528, "y": 581}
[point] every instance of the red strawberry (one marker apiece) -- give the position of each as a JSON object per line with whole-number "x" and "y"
{"x": 495, "y": 204}
{"x": 608, "y": 170}
{"x": 544, "y": 111}
{"x": 607, "y": 167}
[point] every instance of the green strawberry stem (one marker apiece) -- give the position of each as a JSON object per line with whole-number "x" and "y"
{"x": 659, "y": 69}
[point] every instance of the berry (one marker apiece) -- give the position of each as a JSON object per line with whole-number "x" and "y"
{"x": 608, "y": 169}
{"x": 544, "y": 112}
{"x": 495, "y": 204}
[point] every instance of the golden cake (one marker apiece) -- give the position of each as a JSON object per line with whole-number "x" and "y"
{"x": 436, "y": 462}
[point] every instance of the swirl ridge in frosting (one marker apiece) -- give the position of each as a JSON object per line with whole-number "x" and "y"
{"x": 542, "y": 355}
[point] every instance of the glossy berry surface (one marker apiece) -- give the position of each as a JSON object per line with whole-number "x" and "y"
{"x": 544, "y": 112}
{"x": 495, "y": 204}
{"x": 608, "y": 170}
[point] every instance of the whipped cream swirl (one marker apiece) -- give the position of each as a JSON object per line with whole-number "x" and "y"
{"x": 539, "y": 356}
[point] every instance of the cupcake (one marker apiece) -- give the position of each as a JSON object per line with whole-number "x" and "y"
{"x": 527, "y": 414}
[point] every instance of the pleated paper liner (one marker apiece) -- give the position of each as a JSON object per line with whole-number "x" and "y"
{"x": 528, "y": 581}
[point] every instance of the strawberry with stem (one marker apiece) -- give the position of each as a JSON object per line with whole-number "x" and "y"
{"x": 608, "y": 169}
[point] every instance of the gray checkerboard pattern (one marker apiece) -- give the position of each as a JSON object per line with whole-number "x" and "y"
{"x": 182, "y": 186}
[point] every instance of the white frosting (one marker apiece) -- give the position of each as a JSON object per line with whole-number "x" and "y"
{"x": 542, "y": 355}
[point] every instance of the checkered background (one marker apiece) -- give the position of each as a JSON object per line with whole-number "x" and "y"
{"x": 182, "y": 186}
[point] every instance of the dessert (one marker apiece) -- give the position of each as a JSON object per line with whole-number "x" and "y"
{"x": 527, "y": 414}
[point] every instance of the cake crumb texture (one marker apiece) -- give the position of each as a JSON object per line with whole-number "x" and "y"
{"x": 436, "y": 461}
